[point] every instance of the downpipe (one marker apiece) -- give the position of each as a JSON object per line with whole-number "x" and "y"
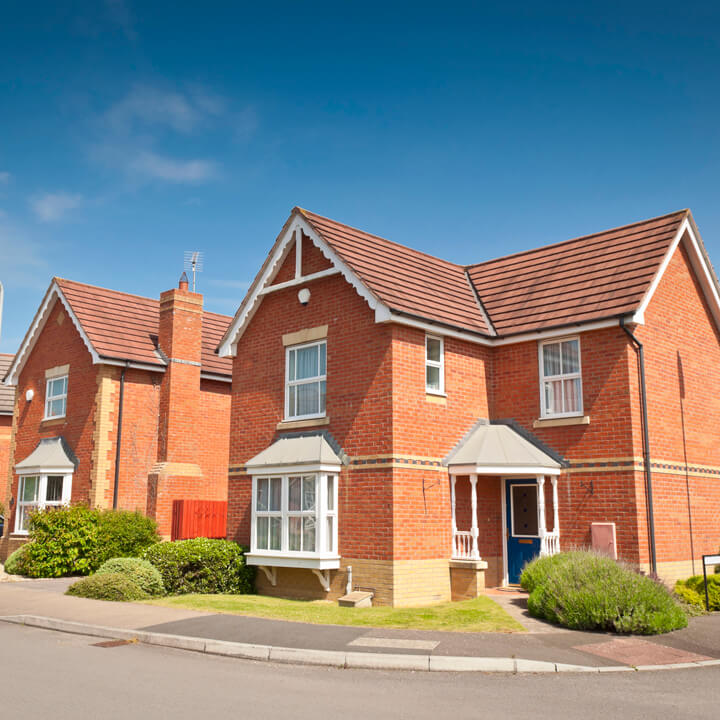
{"x": 118, "y": 441}
{"x": 640, "y": 351}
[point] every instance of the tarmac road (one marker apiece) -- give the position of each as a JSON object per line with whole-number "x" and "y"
{"x": 47, "y": 674}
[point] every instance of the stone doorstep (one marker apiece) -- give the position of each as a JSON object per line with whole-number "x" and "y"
{"x": 357, "y": 598}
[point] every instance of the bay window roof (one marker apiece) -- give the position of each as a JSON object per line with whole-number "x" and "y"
{"x": 50, "y": 455}
{"x": 310, "y": 451}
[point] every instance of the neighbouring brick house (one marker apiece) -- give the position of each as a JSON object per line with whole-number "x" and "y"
{"x": 434, "y": 425}
{"x": 7, "y": 403}
{"x": 92, "y": 355}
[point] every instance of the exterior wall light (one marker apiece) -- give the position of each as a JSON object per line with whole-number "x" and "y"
{"x": 29, "y": 395}
{"x": 304, "y": 296}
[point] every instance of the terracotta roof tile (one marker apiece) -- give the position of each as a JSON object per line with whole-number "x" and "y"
{"x": 404, "y": 279}
{"x": 589, "y": 278}
{"x": 121, "y": 326}
{"x": 7, "y": 392}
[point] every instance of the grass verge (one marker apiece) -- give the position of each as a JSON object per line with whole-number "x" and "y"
{"x": 477, "y": 615}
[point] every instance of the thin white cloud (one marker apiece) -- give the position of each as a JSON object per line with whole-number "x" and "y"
{"x": 51, "y": 207}
{"x": 4, "y": 177}
{"x": 159, "y": 167}
{"x": 25, "y": 262}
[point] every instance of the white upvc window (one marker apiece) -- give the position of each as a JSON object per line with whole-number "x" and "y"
{"x": 434, "y": 365}
{"x": 295, "y": 515}
{"x": 40, "y": 491}
{"x": 560, "y": 378}
{"x": 56, "y": 397}
{"x": 305, "y": 380}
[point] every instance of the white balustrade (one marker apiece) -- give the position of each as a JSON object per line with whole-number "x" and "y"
{"x": 550, "y": 543}
{"x": 462, "y": 545}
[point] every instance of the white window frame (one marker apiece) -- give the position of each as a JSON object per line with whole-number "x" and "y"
{"x": 562, "y": 376}
{"x": 434, "y": 363}
{"x": 50, "y": 398}
{"x": 326, "y": 549}
{"x": 305, "y": 381}
{"x": 41, "y": 503}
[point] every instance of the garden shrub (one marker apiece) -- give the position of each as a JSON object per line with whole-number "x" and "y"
{"x": 536, "y": 571}
{"x": 141, "y": 572}
{"x": 76, "y": 540}
{"x": 588, "y": 591}
{"x": 123, "y": 534}
{"x": 201, "y": 565}
{"x": 16, "y": 564}
{"x": 692, "y": 591}
{"x": 108, "y": 586}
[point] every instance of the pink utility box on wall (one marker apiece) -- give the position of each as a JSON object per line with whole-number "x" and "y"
{"x": 603, "y": 538}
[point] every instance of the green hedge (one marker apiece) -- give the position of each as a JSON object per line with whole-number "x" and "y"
{"x": 109, "y": 586}
{"x": 201, "y": 565}
{"x": 141, "y": 572}
{"x": 77, "y": 540}
{"x": 16, "y": 564}
{"x": 692, "y": 591}
{"x": 587, "y": 591}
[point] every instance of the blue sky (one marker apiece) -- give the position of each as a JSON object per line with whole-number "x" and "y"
{"x": 131, "y": 132}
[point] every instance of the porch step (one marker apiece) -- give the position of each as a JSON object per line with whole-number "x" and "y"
{"x": 358, "y": 598}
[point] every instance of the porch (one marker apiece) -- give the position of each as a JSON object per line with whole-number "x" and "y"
{"x": 504, "y": 512}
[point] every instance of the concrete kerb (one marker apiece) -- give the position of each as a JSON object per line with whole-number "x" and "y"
{"x": 332, "y": 658}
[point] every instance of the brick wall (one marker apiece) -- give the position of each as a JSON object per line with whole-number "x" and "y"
{"x": 5, "y": 438}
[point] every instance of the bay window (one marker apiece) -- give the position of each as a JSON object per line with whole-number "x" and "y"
{"x": 560, "y": 378}
{"x": 305, "y": 381}
{"x": 37, "y": 492}
{"x": 294, "y": 515}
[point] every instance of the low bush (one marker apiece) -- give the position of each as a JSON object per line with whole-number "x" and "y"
{"x": 692, "y": 591}
{"x": 588, "y": 591}
{"x": 77, "y": 540}
{"x": 108, "y": 586}
{"x": 536, "y": 571}
{"x": 202, "y": 566}
{"x": 141, "y": 572}
{"x": 16, "y": 564}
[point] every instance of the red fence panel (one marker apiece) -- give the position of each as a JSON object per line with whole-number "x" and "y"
{"x": 199, "y": 518}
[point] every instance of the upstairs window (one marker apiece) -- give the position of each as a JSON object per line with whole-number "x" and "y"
{"x": 56, "y": 397}
{"x": 560, "y": 378}
{"x": 305, "y": 381}
{"x": 434, "y": 365}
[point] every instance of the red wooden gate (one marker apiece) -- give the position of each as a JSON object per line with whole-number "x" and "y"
{"x": 199, "y": 518}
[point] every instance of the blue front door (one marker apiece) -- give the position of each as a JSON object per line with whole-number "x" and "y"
{"x": 523, "y": 541}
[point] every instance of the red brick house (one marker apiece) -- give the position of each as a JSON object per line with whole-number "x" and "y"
{"x": 121, "y": 402}
{"x": 7, "y": 403}
{"x": 432, "y": 425}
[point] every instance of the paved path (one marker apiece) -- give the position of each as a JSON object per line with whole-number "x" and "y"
{"x": 701, "y": 640}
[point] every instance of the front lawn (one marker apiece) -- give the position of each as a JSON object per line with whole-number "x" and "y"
{"x": 478, "y": 615}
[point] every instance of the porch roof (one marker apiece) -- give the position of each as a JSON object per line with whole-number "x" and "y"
{"x": 50, "y": 455}
{"x": 500, "y": 450}
{"x": 301, "y": 452}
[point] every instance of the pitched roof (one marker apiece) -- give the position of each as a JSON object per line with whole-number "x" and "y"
{"x": 300, "y": 450}
{"x": 125, "y": 327}
{"x": 403, "y": 279}
{"x": 7, "y": 392}
{"x": 595, "y": 276}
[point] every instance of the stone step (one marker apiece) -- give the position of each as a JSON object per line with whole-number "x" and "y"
{"x": 358, "y": 598}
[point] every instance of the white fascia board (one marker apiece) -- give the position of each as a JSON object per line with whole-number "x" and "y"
{"x": 43, "y": 470}
{"x": 503, "y": 470}
{"x": 263, "y": 470}
{"x": 228, "y": 347}
{"x": 435, "y": 329}
{"x": 36, "y": 327}
{"x": 557, "y": 332}
{"x": 313, "y": 562}
{"x": 130, "y": 364}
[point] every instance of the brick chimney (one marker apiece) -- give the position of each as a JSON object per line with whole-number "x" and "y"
{"x": 179, "y": 338}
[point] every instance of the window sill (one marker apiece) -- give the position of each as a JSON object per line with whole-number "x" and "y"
{"x": 314, "y": 562}
{"x": 437, "y": 398}
{"x": 50, "y": 422}
{"x": 562, "y": 421}
{"x": 296, "y": 424}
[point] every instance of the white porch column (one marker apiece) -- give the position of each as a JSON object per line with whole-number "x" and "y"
{"x": 454, "y": 521}
{"x": 556, "y": 513}
{"x": 473, "y": 499}
{"x": 542, "y": 530}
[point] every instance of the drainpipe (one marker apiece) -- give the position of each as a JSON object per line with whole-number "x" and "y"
{"x": 646, "y": 443}
{"x": 118, "y": 440}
